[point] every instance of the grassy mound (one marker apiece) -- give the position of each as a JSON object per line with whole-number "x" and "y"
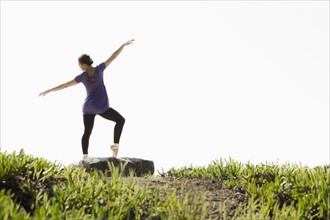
{"x": 33, "y": 188}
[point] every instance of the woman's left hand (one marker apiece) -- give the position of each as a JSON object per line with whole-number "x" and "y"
{"x": 44, "y": 93}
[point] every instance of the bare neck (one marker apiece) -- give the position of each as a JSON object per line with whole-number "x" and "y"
{"x": 90, "y": 70}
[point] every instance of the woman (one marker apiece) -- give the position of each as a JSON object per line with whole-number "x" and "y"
{"x": 96, "y": 102}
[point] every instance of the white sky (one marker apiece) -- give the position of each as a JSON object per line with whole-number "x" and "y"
{"x": 203, "y": 80}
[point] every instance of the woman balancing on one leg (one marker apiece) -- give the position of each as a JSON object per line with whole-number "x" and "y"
{"x": 96, "y": 102}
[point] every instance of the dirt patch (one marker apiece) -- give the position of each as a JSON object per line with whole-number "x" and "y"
{"x": 213, "y": 191}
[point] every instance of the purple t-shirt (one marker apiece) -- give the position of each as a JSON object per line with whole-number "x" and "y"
{"x": 96, "y": 101}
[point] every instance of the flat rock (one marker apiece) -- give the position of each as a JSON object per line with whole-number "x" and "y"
{"x": 139, "y": 166}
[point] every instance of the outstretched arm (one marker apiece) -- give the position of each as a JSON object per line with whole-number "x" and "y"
{"x": 117, "y": 52}
{"x": 57, "y": 88}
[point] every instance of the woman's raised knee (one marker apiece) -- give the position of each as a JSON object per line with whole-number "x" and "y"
{"x": 121, "y": 121}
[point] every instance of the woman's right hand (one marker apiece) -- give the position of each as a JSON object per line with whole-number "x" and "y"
{"x": 128, "y": 42}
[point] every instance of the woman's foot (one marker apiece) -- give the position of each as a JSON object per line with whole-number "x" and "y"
{"x": 91, "y": 160}
{"x": 115, "y": 149}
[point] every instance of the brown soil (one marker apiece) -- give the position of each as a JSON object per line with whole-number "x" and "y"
{"x": 211, "y": 191}
{"x": 214, "y": 193}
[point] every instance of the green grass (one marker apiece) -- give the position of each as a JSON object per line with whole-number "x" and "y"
{"x": 34, "y": 188}
{"x": 289, "y": 191}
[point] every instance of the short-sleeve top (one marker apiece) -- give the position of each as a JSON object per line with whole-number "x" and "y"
{"x": 96, "y": 101}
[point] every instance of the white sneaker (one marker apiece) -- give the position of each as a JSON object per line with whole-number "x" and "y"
{"x": 91, "y": 160}
{"x": 114, "y": 148}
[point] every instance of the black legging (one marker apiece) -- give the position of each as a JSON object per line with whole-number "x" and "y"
{"x": 110, "y": 114}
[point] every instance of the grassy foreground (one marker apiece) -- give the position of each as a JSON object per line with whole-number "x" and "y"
{"x": 34, "y": 188}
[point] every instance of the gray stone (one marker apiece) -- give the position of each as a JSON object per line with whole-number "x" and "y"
{"x": 139, "y": 166}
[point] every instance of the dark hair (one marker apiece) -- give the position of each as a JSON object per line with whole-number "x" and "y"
{"x": 85, "y": 59}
